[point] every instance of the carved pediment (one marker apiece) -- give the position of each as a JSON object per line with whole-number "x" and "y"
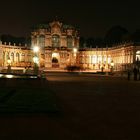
{"x": 56, "y": 27}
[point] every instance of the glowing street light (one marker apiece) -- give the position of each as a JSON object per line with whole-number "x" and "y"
{"x": 36, "y": 49}
{"x": 112, "y": 65}
{"x": 9, "y": 61}
{"x": 36, "y": 59}
{"x": 75, "y": 50}
{"x": 74, "y": 54}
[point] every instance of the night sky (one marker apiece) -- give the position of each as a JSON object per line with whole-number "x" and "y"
{"x": 93, "y": 18}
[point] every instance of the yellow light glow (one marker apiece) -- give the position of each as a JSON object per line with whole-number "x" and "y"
{"x": 1, "y": 75}
{"x": 109, "y": 60}
{"x": 75, "y": 50}
{"x": 55, "y": 55}
{"x": 36, "y": 49}
{"x": 9, "y": 61}
{"x": 94, "y": 59}
{"x": 112, "y": 64}
{"x": 9, "y": 76}
{"x": 138, "y": 52}
{"x": 35, "y": 59}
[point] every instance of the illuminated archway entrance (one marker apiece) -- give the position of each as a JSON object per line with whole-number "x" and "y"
{"x": 55, "y": 60}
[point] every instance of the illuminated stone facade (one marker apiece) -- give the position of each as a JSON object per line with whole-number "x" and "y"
{"x": 20, "y": 56}
{"x": 123, "y": 57}
{"x": 56, "y": 42}
{"x": 59, "y": 47}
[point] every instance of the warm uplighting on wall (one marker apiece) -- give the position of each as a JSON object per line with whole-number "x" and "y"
{"x": 9, "y": 61}
{"x": 109, "y": 60}
{"x": 75, "y": 50}
{"x": 55, "y": 54}
{"x": 9, "y": 76}
{"x": 112, "y": 64}
{"x": 36, "y": 60}
{"x": 94, "y": 59}
{"x": 138, "y": 56}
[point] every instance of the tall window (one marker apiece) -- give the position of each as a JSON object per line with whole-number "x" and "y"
{"x": 55, "y": 41}
{"x": 69, "y": 41}
{"x": 12, "y": 57}
{"x": 17, "y": 57}
{"x": 22, "y": 57}
{"x": 34, "y": 40}
{"x": 29, "y": 57}
{"x": 7, "y": 56}
{"x": 94, "y": 59}
{"x": 3, "y": 56}
{"x": 105, "y": 59}
{"x": 42, "y": 41}
{"x": 109, "y": 59}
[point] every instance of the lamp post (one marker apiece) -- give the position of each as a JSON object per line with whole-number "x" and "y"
{"x": 9, "y": 66}
{"x": 36, "y": 59}
{"x": 74, "y": 53}
{"x": 112, "y": 66}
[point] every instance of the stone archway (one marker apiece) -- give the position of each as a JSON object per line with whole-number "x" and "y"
{"x": 55, "y": 60}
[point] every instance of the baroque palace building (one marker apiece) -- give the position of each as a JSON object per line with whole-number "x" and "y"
{"x": 59, "y": 47}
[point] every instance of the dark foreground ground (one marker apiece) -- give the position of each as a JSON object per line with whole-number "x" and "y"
{"x": 90, "y": 108}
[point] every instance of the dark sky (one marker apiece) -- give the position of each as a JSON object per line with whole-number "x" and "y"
{"x": 93, "y": 17}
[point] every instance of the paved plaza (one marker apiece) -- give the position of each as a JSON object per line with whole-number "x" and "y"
{"x": 91, "y": 107}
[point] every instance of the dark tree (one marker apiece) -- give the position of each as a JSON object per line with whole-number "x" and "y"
{"x": 115, "y": 35}
{"x": 99, "y": 42}
{"x": 90, "y": 42}
{"x": 82, "y": 41}
{"x": 135, "y": 37}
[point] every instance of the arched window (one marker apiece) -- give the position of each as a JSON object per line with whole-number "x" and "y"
{"x": 22, "y": 57}
{"x": 12, "y": 57}
{"x": 7, "y": 56}
{"x": 34, "y": 41}
{"x": 55, "y": 41}
{"x": 29, "y": 57}
{"x": 69, "y": 41}
{"x": 42, "y": 41}
{"x": 3, "y": 56}
{"x": 109, "y": 59}
{"x": 17, "y": 57}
